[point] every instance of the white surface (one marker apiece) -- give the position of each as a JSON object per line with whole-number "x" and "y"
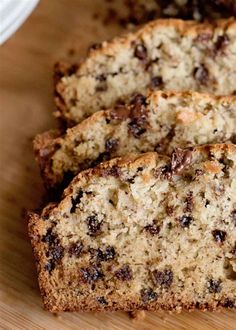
{"x": 13, "y": 13}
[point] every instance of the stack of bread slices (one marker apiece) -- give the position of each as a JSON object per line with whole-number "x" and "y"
{"x": 147, "y": 162}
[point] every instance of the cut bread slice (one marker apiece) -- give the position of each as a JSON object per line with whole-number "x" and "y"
{"x": 164, "y": 54}
{"x": 142, "y": 11}
{"x": 160, "y": 122}
{"x": 144, "y": 232}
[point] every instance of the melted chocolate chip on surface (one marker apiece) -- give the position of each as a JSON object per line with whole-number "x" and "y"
{"x": 180, "y": 159}
{"x": 163, "y": 172}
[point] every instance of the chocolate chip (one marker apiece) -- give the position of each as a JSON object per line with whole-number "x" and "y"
{"x": 111, "y": 202}
{"x": 201, "y": 74}
{"x": 148, "y": 295}
{"x": 170, "y": 210}
{"x": 106, "y": 255}
{"x": 111, "y": 145}
{"x": 103, "y": 156}
{"x": 233, "y": 216}
{"x": 156, "y": 82}
{"x": 163, "y": 172}
{"x": 138, "y": 104}
{"x": 135, "y": 128}
{"x": 189, "y": 203}
{"x": 138, "y": 114}
{"x": 140, "y": 52}
{"x": 124, "y": 273}
{"x": 214, "y": 286}
{"x": 75, "y": 249}
{"x": 76, "y": 200}
{"x": 163, "y": 278}
{"x": 207, "y": 202}
{"x": 50, "y": 265}
{"x": 94, "y": 226}
{"x": 219, "y": 190}
{"x": 152, "y": 229}
{"x": 180, "y": 159}
{"x": 198, "y": 173}
{"x": 101, "y": 77}
{"x": 56, "y": 253}
{"x": 219, "y": 235}
{"x": 102, "y": 85}
{"x": 185, "y": 221}
{"x": 228, "y": 303}
{"x": 112, "y": 171}
{"x": 91, "y": 274}
{"x": 131, "y": 180}
{"x": 102, "y": 301}
{"x": 50, "y": 238}
{"x": 221, "y": 42}
{"x": 120, "y": 112}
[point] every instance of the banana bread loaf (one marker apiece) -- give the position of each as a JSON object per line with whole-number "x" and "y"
{"x": 160, "y": 122}
{"x": 146, "y": 232}
{"x": 165, "y": 54}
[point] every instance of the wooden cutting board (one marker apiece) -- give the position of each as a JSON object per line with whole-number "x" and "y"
{"x": 58, "y": 29}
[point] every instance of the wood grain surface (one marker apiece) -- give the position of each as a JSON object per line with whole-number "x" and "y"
{"x": 58, "y": 29}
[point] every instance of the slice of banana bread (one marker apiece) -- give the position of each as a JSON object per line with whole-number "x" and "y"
{"x": 143, "y": 232}
{"x": 160, "y": 122}
{"x": 165, "y": 54}
{"x": 142, "y": 11}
